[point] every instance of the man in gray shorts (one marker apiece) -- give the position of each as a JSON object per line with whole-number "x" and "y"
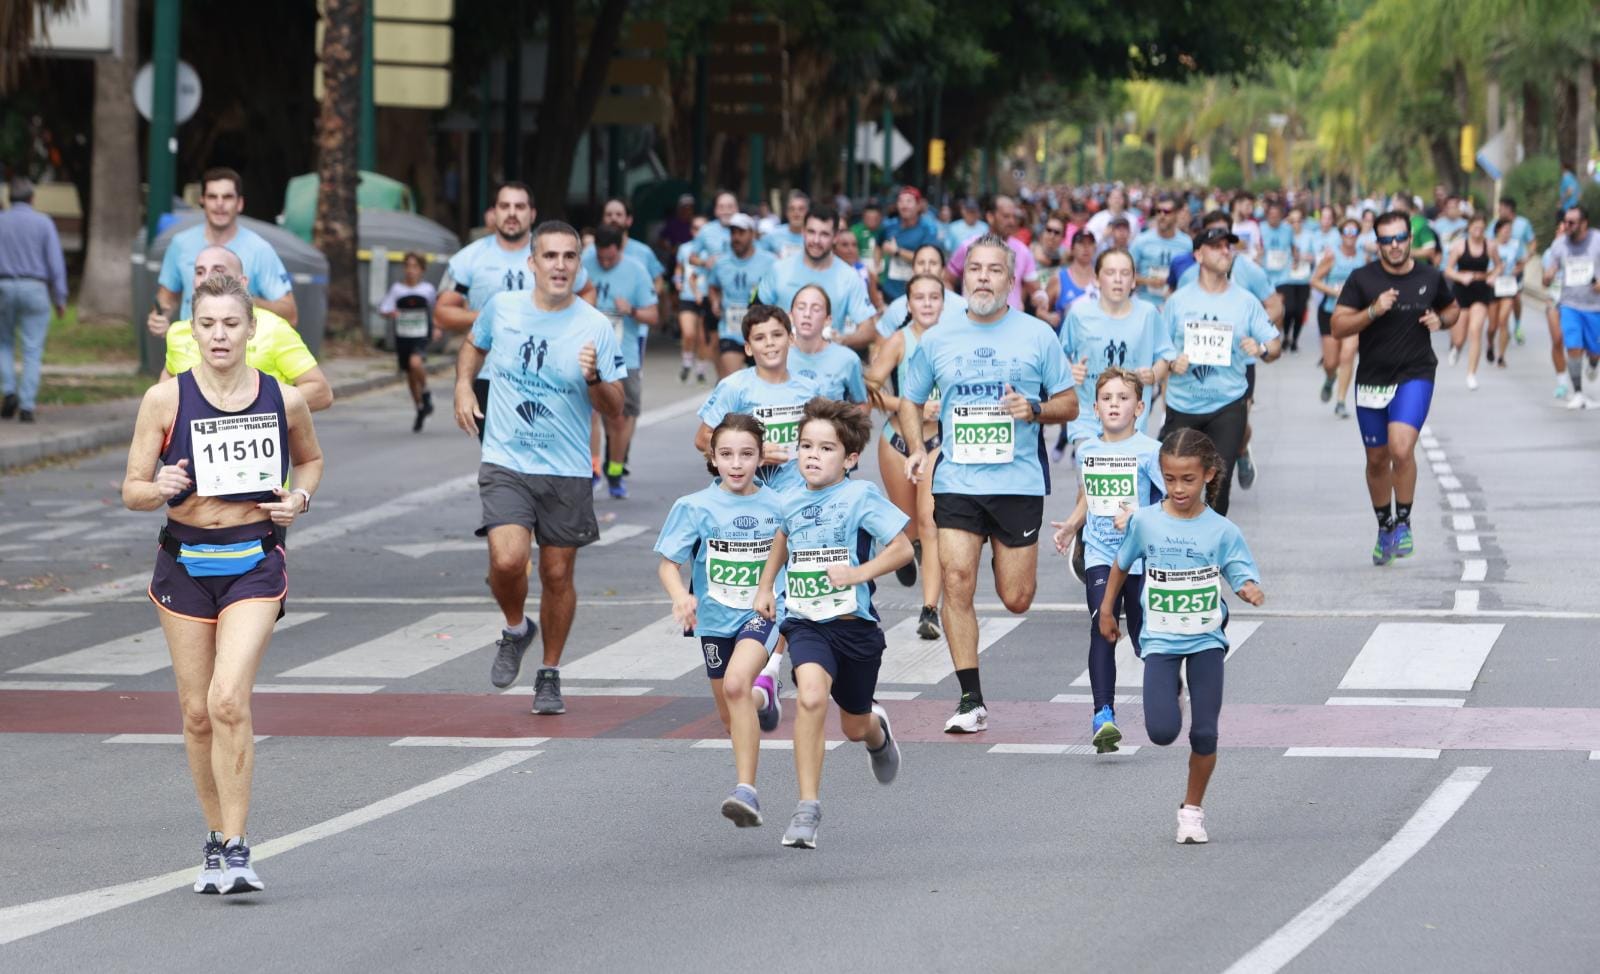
{"x": 553, "y": 362}
{"x": 625, "y": 294}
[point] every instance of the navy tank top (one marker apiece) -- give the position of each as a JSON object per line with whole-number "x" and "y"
{"x": 233, "y": 456}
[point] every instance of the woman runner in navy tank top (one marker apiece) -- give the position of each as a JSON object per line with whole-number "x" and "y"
{"x": 215, "y": 448}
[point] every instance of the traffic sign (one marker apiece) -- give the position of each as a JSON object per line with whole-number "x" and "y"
{"x": 188, "y": 91}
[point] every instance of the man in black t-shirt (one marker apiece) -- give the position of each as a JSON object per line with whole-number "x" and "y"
{"x": 1395, "y": 304}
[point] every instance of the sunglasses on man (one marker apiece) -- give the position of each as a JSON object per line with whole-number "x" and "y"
{"x": 1384, "y": 241}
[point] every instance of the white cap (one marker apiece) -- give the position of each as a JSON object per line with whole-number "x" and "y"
{"x": 741, "y": 221}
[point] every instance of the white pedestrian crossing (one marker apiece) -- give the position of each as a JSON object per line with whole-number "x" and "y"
{"x": 908, "y": 658}
{"x": 1130, "y": 669}
{"x": 409, "y": 650}
{"x": 658, "y": 651}
{"x": 12, "y": 623}
{"x": 136, "y": 655}
{"x": 1422, "y": 656}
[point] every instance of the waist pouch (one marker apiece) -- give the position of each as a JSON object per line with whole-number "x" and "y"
{"x": 218, "y": 560}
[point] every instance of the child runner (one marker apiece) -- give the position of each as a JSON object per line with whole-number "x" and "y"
{"x": 726, "y": 530}
{"x": 925, "y": 296}
{"x": 409, "y": 305}
{"x": 830, "y": 529}
{"x": 1119, "y": 473}
{"x": 835, "y": 369}
{"x": 1189, "y": 550}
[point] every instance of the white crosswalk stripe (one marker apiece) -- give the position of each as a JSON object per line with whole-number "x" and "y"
{"x": 136, "y": 655}
{"x": 12, "y": 623}
{"x": 1130, "y": 669}
{"x": 658, "y": 651}
{"x": 64, "y": 530}
{"x": 410, "y": 650}
{"x": 1422, "y": 656}
{"x": 908, "y": 658}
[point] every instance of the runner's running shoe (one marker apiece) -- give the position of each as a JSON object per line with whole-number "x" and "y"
{"x": 1106, "y": 734}
{"x": 970, "y": 717}
{"x": 802, "y": 833}
{"x": 1327, "y": 389}
{"x": 907, "y": 574}
{"x": 1403, "y": 545}
{"x": 1341, "y": 410}
{"x": 928, "y": 623}
{"x": 1192, "y": 826}
{"x": 508, "y": 655}
{"x": 886, "y": 759}
{"x": 547, "y": 693}
{"x": 741, "y": 807}
{"x": 237, "y": 876}
{"x": 1383, "y": 551}
{"x": 618, "y": 488}
{"x": 210, "y": 878}
{"x": 1247, "y": 470}
{"x": 1578, "y": 401}
{"x": 769, "y": 715}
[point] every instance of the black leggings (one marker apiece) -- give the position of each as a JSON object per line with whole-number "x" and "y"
{"x": 1103, "y": 654}
{"x": 1163, "y": 680}
{"x": 1226, "y": 428}
{"x": 1295, "y": 299}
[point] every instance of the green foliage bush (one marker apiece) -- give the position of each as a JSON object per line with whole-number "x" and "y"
{"x": 1226, "y": 174}
{"x": 1535, "y": 185}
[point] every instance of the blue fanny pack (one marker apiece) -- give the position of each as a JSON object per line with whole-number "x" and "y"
{"x": 216, "y": 560}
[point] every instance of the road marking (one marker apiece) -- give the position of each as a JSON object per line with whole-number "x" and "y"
{"x": 1272, "y": 954}
{"x": 1467, "y": 600}
{"x": 1435, "y": 454}
{"x": 137, "y": 655}
{"x": 767, "y": 744}
{"x": 59, "y": 531}
{"x": 1088, "y": 698}
{"x": 50, "y": 685}
{"x": 1442, "y": 469}
{"x": 160, "y": 739}
{"x": 12, "y": 623}
{"x": 659, "y": 651}
{"x": 896, "y": 694}
{"x": 1130, "y": 669}
{"x": 908, "y": 658}
{"x": 1055, "y": 749}
{"x": 1467, "y": 542}
{"x": 317, "y": 688}
{"x": 28, "y": 919}
{"x": 1594, "y": 755}
{"x": 468, "y": 742}
{"x": 1458, "y": 501}
{"x": 1421, "y": 656}
{"x": 618, "y": 532}
{"x": 69, "y": 509}
{"x": 1474, "y": 570}
{"x": 1463, "y": 522}
{"x": 426, "y": 548}
{"x": 1425, "y": 753}
{"x": 409, "y": 650}
{"x": 567, "y": 689}
{"x": 1449, "y": 482}
{"x": 16, "y": 526}
{"x": 661, "y": 414}
{"x": 1396, "y": 702}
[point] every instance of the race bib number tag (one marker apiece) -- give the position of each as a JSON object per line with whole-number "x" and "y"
{"x": 733, "y": 319}
{"x": 809, "y": 593}
{"x": 1161, "y": 271}
{"x": 1277, "y": 260}
{"x": 411, "y": 323}
{"x": 1375, "y": 397}
{"x": 616, "y": 324}
{"x": 1208, "y": 342}
{"x": 1110, "y": 484}
{"x": 900, "y": 268}
{"x": 1578, "y": 272}
{"x": 1301, "y": 269}
{"x": 981, "y": 433}
{"x": 782, "y": 423}
{"x": 235, "y": 454}
{"x": 733, "y": 570}
{"x": 1505, "y": 287}
{"x": 1184, "y": 602}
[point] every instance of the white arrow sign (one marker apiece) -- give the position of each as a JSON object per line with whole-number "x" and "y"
{"x": 869, "y": 146}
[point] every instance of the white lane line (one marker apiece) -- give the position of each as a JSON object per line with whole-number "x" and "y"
{"x": 1054, "y": 749}
{"x": 1130, "y": 669}
{"x": 425, "y": 548}
{"x": 1463, "y": 522}
{"x": 1435, "y": 455}
{"x": 50, "y": 685}
{"x": 468, "y": 742}
{"x": 1594, "y": 755}
{"x": 69, "y": 509}
{"x": 767, "y": 744}
{"x": 1424, "y": 753}
{"x": 12, "y": 623}
{"x": 1474, "y": 570}
{"x": 1396, "y": 702}
{"x": 1467, "y": 542}
{"x": 136, "y": 655}
{"x": 60, "y": 531}
{"x": 661, "y": 414}
{"x": 160, "y": 739}
{"x": 1422, "y": 656}
{"x": 908, "y": 658}
{"x": 16, "y": 526}
{"x": 618, "y": 532}
{"x": 1449, "y": 482}
{"x": 659, "y": 651}
{"x": 569, "y": 690}
{"x": 1442, "y": 469}
{"x": 1467, "y": 600}
{"x": 1088, "y": 698}
{"x": 896, "y": 694}
{"x": 317, "y": 687}
{"x": 1272, "y": 954}
{"x": 409, "y": 650}
{"x": 1458, "y": 501}
{"x": 28, "y": 919}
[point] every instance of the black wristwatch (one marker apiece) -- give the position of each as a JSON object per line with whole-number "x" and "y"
{"x": 1038, "y": 409}
{"x": 593, "y": 382}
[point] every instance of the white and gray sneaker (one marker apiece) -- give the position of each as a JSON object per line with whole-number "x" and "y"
{"x": 547, "y": 693}
{"x": 508, "y": 655}
{"x": 237, "y": 876}
{"x": 1578, "y": 401}
{"x": 1191, "y": 825}
{"x": 886, "y": 759}
{"x": 802, "y": 833}
{"x": 970, "y": 717}
{"x": 210, "y": 878}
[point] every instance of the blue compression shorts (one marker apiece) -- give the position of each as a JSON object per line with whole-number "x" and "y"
{"x": 1409, "y": 406}
{"x": 1580, "y": 329}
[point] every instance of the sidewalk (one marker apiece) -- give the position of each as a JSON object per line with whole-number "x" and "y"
{"x": 65, "y": 430}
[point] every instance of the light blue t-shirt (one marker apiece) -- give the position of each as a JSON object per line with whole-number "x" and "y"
{"x": 627, "y": 279}
{"x": 483, "y": 269}
{"x": 269, "y": 279}
{"x": 737, "y": 279}
{"x": 1339, "y": 271}
{"x": 1245, "y": 272}
{"x": 958, "y": 232}
{"x": 538, "y": 416}
{"x": 894, "y": 317}
{"x": 634, "y": 250}
{"x": 1153, "y": 253}
{"x": 897, "y": 268}
{"x": 1207, "y": 388}
{"x": 1101, "y": 539}
{"x": 1510, "y": 252}
{"x": 1448, "y": 230}
{"x": 1307, "y": 251}
{"x": 1135, "y": 341}
{"x": 1277, "y": 250}
{"x": 713, "y": 240}
{"x": 746, "y": 392}
{"x": 1173, "y": 544}
{"x": 687, "y": 278}
{"x": 852, "y": 514}
{"x": 972, "y": 364}
{"x": 835, "y": 369}
{"x": 735, "y": 530}
{"x": 782, "y": 242}
{"x": 1522, "y": 231}
{"x": 847, "y": 293}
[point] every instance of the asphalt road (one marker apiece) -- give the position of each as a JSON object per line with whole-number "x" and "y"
{"x": 1407, "y": 778}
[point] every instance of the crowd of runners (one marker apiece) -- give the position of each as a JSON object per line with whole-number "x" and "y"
{"x": 1138, "y": 324}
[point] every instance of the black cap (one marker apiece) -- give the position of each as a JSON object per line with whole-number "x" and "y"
{"x": 1213, "y": 235}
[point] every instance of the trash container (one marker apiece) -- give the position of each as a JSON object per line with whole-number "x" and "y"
{"x": 383, "y": 237}
{"x": 308, "y": 272}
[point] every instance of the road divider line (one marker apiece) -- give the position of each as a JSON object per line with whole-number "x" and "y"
{"x": 50, "y": 685}
{"x": 576, "y": 691}
{"x": 1088, "y": 698}
{"x": 12, "y": 623}
{"x": 1396, "y": 702}
{"x": 896, "y": 694}
{"x": 1463, "y": 522}
{"x": 1474, "y": 570}
{"x": 1272, "y": 954}
{"x": 140, "y": 654}
{"x": 1467, "y": 600}
{"x": 1053, "y": 749}
{"x": 317, "y": 687}
{"x": 468, "y": 742}
{"x": 1468, "y": 542}
{"x": 1423, "y": 753}
{"x": 161, "y": 739}
{"x": 673, "y": 410}
{"x": 776, "y": 744}
{"x": 1458, "y": 501}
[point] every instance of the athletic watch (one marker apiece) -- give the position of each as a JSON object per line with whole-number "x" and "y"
{"x": 1038, "y": 409}
{"x": 305, "y": 494}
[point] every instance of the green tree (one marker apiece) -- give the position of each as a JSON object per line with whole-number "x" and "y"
{"x": 334, "y": 232}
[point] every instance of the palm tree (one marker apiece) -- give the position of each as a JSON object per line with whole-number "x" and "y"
{"x": 334, "y": 232}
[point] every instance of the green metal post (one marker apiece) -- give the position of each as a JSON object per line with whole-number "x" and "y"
{"x": 367, "y": 125}
{"x": 758, "y": 165}
{"x": 702, "y": 98}
{"x": 919, "y": 144}
{"x": 485, "y": 100}
{"x": 850, "y": 148}
{"x": 888, "y": 145}
{"x": 163, "y": 145}
{"x": 986, "y": 175}
{"x": 615, "y": 176}
{"x": 934, "y": 132}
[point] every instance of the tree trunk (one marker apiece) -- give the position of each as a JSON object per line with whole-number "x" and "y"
{"x": 1566, "y": 122}
{"x": 1583, "y": 123}
{"x": 561, "y": 121}
{"x": 114, "y": 183}
{"x": 1446, "y": 161}
{"x": 1531, "y": 120}
{"x": 334, "y": 232}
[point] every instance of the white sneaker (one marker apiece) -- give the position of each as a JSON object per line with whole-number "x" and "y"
{"x": 969, "y": 718}
{"x": 1192, "y": 826}
{"x": 1577, "y": 401}
{"x": 1455, "y": 355}
{"x": 1472, "y": 382}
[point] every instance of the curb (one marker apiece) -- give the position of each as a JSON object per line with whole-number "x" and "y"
{"x": 98, "y": 436}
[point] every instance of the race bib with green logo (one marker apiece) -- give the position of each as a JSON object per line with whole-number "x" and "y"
{"x": 235, "y": 454}
{"x": 809, "y": 593}
{"x": 981, "y": 433}
{"x": 1375, "y": 397}
{"x": 1505, "y": 286}
{"x": 733, "y": 570}
{"x": 1577, "y": 272}
{"x": 1110, "y": 483}
{"x": 782, "y": 423}
{"x": 411, "y": 323}
{"x": 1184, "y": 602}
